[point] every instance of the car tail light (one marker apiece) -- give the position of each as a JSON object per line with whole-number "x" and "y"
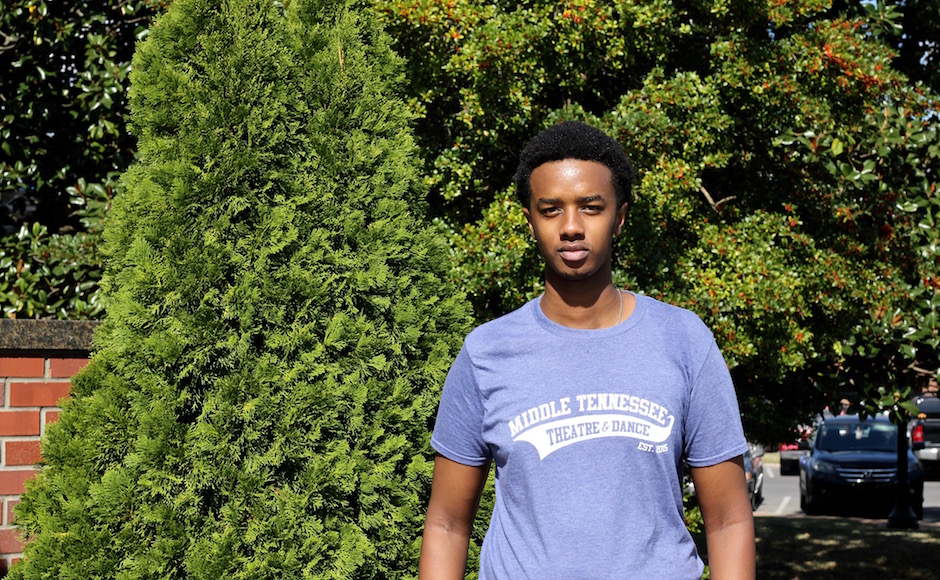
{"x": 917, "y": 434}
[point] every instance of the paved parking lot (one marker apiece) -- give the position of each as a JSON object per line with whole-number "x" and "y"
{"x": 782, "y": 494}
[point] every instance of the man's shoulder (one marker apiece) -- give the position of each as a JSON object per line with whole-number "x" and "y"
{"x": 672, "y": 318}
{"x": 520, "y": 320}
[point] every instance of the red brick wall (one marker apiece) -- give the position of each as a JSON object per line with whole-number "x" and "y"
{"x": 30, "y": 389}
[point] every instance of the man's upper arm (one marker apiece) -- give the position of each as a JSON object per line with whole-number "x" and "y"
{"x": 721, "y": 485}
{"x": 455, "y": 492}
{"x": 455, "y": 497}
{"x": 729, "y": 522}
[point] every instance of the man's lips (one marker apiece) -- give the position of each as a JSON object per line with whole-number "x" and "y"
{"x": 573, "y": 254}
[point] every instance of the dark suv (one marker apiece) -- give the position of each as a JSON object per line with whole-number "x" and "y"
{"x": 852, "y": 463}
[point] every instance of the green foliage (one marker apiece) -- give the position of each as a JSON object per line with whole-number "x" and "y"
{"x": 64, "y": 73}
{"x": 44, "y": 274}
{"x": 482, "y": 73}
{"x": 718, "y": 101}
{"x": 63, "y": 144}
{"x": 788, "y": 172}
{"x": 918, "y": 55}
{"x": 895, "y": 348}
{"x": 279, "y": 324}
{"x": 497, "y": 261}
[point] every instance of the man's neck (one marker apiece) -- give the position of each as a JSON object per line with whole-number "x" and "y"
{"x": 586, "y": 304}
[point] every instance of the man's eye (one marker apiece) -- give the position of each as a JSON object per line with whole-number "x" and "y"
{"x": 550, "y": 211}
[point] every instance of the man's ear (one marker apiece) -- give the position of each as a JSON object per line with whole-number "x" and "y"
{"x": 621, "y": 218}
{"x": 528, "y": 219}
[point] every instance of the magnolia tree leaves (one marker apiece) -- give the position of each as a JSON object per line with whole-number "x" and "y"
{"x": 788, "y": 174}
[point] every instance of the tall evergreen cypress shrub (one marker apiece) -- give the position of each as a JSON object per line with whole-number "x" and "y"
{"x": 278, "y": 323}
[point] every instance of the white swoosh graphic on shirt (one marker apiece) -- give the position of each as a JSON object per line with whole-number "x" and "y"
{"x": 554, "y": 435}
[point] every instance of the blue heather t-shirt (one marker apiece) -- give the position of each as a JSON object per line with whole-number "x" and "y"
{"x": 587, "y": 430}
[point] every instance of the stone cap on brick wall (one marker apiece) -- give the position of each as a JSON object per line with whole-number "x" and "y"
{"x": 23, "y": 337}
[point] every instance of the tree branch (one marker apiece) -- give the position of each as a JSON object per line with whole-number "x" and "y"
{"x": 921, "y": 371}
{"x": 9, "y": 41}
{"x": 716, "y": 205}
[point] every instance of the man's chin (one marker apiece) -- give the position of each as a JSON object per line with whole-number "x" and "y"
{"x": 572, "y": 275}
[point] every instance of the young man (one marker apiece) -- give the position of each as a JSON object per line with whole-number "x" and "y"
{"x": 587, "y": 400}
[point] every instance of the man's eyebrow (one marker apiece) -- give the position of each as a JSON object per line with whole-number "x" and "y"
{"x": 583, "y": 199}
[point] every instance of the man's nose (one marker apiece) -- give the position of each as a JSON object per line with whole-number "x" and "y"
{"x": 572, "y": 226}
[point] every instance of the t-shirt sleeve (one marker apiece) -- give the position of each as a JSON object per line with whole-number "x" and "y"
{"x": 458, "y": 430}
{"x": 713, "y": 424}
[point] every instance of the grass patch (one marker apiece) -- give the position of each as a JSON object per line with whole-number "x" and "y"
{"x": 852, "y": 548}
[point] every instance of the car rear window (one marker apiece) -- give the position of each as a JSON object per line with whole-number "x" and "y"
{"x": 930, "y": 406}
{"x": 858, "y": 437}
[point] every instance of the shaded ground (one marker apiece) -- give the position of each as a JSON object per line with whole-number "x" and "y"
{"x": 799, "y": 547}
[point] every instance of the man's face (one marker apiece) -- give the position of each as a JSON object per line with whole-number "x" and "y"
{"x": 574, "y": 216}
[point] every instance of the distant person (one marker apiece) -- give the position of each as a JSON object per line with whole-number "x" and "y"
{"x": 931, "y": 388}
{"x": 587, "y": 400}
{"x": 844, "y": 405}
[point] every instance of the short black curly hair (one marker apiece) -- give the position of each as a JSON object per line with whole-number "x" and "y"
{"x": 574, "y": 140}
